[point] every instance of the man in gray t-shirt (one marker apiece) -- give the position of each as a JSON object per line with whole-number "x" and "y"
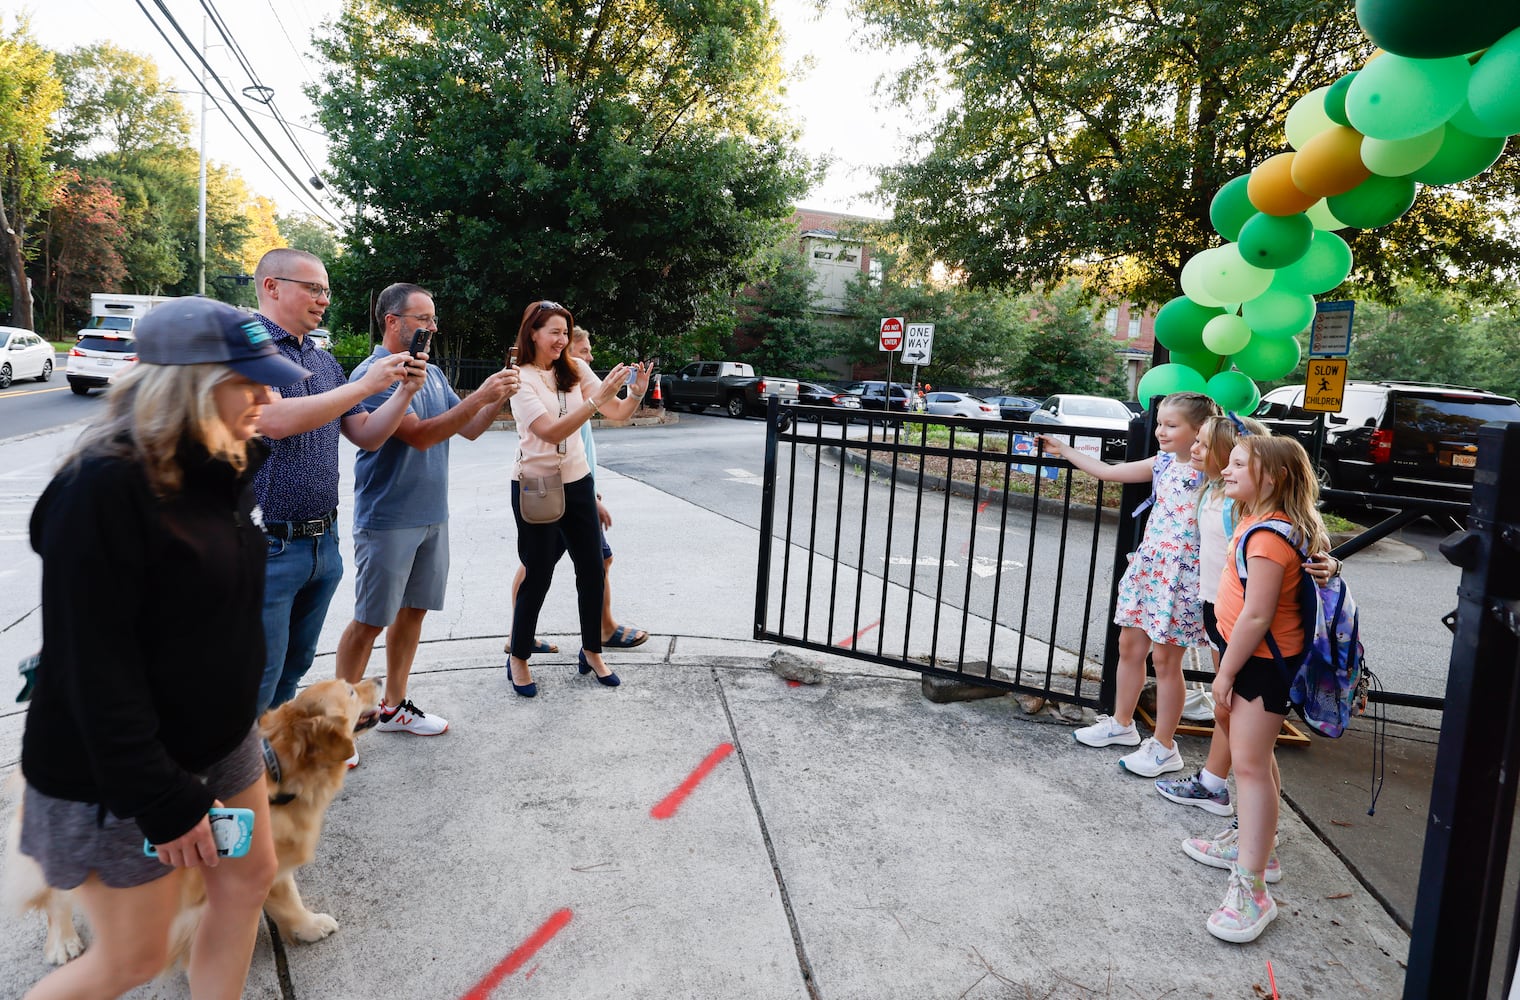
{"x": 401, "y": 511}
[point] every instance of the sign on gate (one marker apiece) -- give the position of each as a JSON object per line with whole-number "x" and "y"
{"x": 918, "y": 343}
{"x": 891, "y": 333}
{"x": 1330, "y": 336}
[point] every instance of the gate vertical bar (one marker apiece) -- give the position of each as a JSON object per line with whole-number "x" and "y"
{"x": 1126, "y": 537}
{"x": 1472, "y": 796}
{"x": 767, "y": 516}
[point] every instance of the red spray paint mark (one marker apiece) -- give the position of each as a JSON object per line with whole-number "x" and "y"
{"x": 520, "y": 956}
{"x": 853, "y": 639}
{"x": 794, "y": 684}
{"x": 667, "y": 806}
{"x": 529, "y": 973}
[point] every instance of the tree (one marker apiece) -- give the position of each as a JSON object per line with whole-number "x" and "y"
{"x": 1438, "y": 336}
{"x": 79, "y": 251}
{"x": 626, "y": 159}
{"x": 776, "y": 313}
{"x": 1066, "y": 349}
{"x": 118, "y": 107}
{"x": 977, "y": 332}
{"x": 309, "y": 233}
{"x": 30, "y": 94}
{"x": 1086, "y": 138}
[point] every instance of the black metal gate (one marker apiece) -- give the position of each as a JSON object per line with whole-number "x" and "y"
{"x": 940, "y": 545}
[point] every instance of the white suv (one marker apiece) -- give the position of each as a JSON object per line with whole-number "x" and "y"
{"x": 98, "y": 358}
{"x": 23, "y": 354}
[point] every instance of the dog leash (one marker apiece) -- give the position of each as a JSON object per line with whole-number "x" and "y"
{"x": 272, "y": 765}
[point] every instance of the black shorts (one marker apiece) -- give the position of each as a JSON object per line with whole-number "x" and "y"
{"x": 1261, "y": 677}
{"x": 1211, "y": 626}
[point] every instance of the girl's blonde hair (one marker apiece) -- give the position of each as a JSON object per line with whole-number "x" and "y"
{"x": 153, "y": 408}
{"x": 1195, "y": 407}
{"x": 1282, "y": 469}
{"x": 1220, "y": 436}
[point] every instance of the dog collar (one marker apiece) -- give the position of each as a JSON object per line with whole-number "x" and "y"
{"x": 272, "y": 765}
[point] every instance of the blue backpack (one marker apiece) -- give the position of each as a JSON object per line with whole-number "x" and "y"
{"x": 1330, "y": 688}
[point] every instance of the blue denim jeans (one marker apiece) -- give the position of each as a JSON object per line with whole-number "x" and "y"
{"x": 299, "y": 580}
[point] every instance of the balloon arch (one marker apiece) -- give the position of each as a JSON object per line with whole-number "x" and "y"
{"x": 1434, "y": 105}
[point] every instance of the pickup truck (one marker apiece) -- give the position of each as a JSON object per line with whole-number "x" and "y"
{"x": 729, "y": 384}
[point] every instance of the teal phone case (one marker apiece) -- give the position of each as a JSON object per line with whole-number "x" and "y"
{"x": 232, "y": 829}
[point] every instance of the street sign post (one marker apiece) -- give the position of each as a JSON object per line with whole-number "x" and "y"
{"x": 891, "y": 333}
{"x": 1330, "y": 336}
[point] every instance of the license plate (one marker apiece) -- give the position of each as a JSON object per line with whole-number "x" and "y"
{"x": 1464, "y": 461}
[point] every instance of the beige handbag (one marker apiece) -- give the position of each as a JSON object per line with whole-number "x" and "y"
{"x": 542, "y": 498}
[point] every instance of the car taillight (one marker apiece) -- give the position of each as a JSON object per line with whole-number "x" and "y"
{"x": 75, "y": 352}
{"x": 760, "y": 387}
{"x": 988, "y": 409}
{"x": 1382, "y": 446}
{"x": 834, "y": 399}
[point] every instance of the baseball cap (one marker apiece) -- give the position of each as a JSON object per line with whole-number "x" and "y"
{"x": 195, "y": 330}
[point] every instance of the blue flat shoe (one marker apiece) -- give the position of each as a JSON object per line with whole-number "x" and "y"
{"x": 528, "y": 690}
{"x": 611, "y": 680}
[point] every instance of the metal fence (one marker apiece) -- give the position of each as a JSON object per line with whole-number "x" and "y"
{"x": 940, "y": 545}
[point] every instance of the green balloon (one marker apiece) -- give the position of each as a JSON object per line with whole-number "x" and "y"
{"x": 1326, "y": 265}
{"x": 1461, "y": 156}
{"x": 1375, "y": 202}
{"x": 1268, "y": 358}
{"x": 1276, "y": 314}
{"x": 1397, "y": 98}
{"x": 1204, "y": 362}
{"x": 1163, "y": 380}
{"x": 1231, "y": 208}
{"x": 1427, "y": 29}
{"x": 1229, "y": 278}
{"x": 1224, "y": 335}
{"x": 1255, "y": 400}
{"x": 1319, "y": 213}
{"x": 1493, "y": 92}
{"x": 1397, "y": 157}
{"x": 1232, "y": 390}
{"x": 1468, "y": 122}
{"x": 1335, "y": 99}
{"x": 1307, "y": 118}
{"x": 1179, "y": 324}
{"x": 1273, "y": 241}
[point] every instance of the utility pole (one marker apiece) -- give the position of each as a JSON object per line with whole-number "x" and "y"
{"x": 201, "y": 241}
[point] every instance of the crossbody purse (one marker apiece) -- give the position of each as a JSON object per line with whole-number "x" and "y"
{"x": 542, "y": 498}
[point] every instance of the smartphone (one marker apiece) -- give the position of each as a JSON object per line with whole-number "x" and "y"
{"x": 512, "y": 357}
{"x": 632, "y": 376}
{"x": 419, "y": 342}
{"x": 232, "y": 829}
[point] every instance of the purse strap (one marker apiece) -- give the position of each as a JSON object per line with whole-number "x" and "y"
{"x": 558, "y": 450}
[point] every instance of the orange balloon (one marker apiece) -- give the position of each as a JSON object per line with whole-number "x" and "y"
{"x": 1271, "y": 189}
{"x": 1330, "y": 163}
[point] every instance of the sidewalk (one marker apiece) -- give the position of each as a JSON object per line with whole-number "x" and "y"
{"x": 859, "y": 842}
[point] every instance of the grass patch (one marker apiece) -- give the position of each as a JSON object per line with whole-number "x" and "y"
{"x": 1335, "y": 524}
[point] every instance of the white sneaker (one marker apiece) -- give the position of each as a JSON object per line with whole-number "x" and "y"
{"x": 408, "y": 718}
{"x": 1152, "y": 759}
{"x": 1107, "y": 732}
{"x": 353, "y": 761}
{"x": 1223, "y": 851}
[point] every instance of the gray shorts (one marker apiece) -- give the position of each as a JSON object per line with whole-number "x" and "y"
{"x": 67, "y": 840}
{"x": 399, "y": 568}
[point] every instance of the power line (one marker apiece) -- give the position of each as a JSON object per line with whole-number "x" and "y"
{"x": 299, "y": 191}
{"x": 310, "y": 76}
{"x": 321, "y": 209}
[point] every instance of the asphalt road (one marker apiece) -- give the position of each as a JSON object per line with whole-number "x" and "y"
{"x": 28, "y": 407}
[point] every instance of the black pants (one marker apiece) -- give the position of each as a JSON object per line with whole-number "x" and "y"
{"x": 539, "y": 547}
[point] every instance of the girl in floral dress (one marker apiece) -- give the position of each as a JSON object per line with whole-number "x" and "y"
{"x": 1159, "y": 610}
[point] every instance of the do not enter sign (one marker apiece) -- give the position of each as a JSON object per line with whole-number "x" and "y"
{"x": 891, "y": 333}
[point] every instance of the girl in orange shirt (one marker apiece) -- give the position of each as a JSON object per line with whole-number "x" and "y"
{"x": 1267, "y": 477}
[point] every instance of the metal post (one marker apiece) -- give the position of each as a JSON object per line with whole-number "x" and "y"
{"x": 1142, "y": 442}
{"x": 767, "y": 513}
{"x": 1472, "y": 797}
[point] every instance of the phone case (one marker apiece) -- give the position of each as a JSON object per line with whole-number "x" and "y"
{"x": 231, "y": 828}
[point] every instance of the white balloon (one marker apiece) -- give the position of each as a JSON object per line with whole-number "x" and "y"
{"x": 1307, "y": 118}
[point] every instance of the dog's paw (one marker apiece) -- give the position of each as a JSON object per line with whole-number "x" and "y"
{"x": 317, "y": 927}
{"x": 62, "y": 947}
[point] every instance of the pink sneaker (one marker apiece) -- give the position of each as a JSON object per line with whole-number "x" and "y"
{"x": 1222, "y": 851}
{"x": 1245, "y": 912}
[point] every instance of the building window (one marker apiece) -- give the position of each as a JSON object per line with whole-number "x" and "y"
{"x": 1134, "y": 327}
{"x": 875, "y": 273}
{"x": 848, "y": 257}
{"x": 823, "y": 255}
{"x": 1111, "y": 322}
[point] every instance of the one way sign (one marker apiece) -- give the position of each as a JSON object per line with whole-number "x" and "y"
{"x": 918, "y": 343}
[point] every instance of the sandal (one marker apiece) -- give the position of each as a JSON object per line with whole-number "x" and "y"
{"x": 626, "y": 637}
{"x": 539, "y": 646}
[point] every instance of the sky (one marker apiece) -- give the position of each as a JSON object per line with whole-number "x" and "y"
{"x": 832, "y": 97}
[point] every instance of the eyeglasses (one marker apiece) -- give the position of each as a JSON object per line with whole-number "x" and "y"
{"x": 428, "y": 320}
{"x": 315, "y": 290}
{"x": 547, "y": 306}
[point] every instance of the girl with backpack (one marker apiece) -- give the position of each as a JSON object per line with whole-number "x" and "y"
{"x": 1267, "y": 478}
{"x": 1158, "y": 607}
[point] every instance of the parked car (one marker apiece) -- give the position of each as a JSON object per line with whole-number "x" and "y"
{"x": 320, "y": 339}
{"x": 732, "y": 385}
{"x": 1068, "y": 409}
{"x": 98, "y": 358}
{"x": 813, "y": 394}
{"x": 873, "y": 395}
{"x": 1412, "y": 439}
{"x": 959, "y": 404}
{"x": 1014, "y": 407}
{"x": 23, "y": 354}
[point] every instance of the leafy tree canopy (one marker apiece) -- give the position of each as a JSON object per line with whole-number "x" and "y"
{"x": 1086, "y": 138}
{"x": 29, "y": 96}
{"x": 625, "y": 159}
{"x": 776, "y": 312}
{"x": 118, "y": 107}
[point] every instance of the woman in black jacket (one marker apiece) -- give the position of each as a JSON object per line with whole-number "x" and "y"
{"x": 143, "y": 716}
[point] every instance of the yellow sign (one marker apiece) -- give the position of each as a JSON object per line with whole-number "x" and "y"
{"x": 1325, "y": 385}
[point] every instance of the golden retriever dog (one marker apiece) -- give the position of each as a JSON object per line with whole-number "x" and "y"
{"x": 311, "y": 738}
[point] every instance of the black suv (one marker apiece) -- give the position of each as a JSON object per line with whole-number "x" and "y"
{"x": 1412, "y": 439}
{"x": 873, "y": 395}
